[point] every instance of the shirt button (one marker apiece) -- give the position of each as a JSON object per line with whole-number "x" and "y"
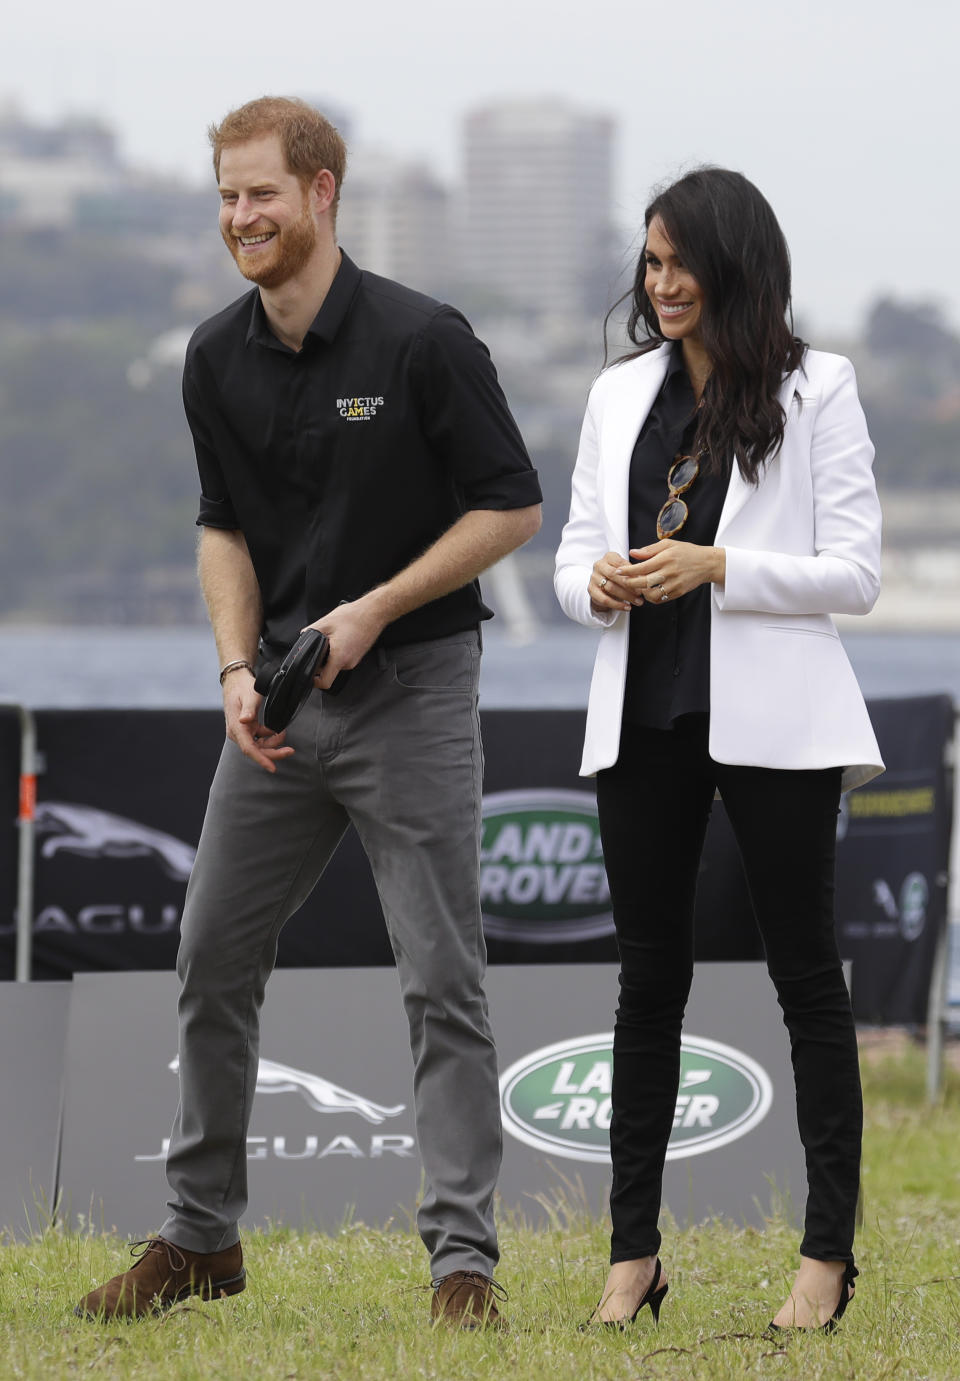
{"x": 676, "y": 670}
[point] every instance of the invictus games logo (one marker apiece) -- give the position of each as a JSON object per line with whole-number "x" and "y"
{"x": 907, "y": 914}
{"x": 358, "y": 409}
{"x": 557, "y": 1099}
{"x": 914, "y": 895}
{"x": 542, "y": 878}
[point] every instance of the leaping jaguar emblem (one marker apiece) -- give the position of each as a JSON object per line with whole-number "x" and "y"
{"x": 98, "y": 834}
{"x": 321, "y": 1095}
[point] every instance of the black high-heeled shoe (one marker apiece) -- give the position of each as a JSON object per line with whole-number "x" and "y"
{"x": 652, "y": 1296}
{"x": 847, "y": 1292}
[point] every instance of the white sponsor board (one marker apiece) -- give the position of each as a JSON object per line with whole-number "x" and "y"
{"x": 332, "y": 1130}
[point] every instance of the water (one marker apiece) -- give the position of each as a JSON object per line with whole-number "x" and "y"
{"x": 176, "y": 668}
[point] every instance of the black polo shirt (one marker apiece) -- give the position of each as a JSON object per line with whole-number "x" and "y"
{"x": 345, "y": 460}
{"x": 668, "y": 657}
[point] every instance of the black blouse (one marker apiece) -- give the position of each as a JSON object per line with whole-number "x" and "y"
{"x": 668, "y": 660}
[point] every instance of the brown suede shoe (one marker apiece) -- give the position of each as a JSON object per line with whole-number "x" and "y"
{"x": 467, "y": 1299}
{"x": 164, "y": 1274}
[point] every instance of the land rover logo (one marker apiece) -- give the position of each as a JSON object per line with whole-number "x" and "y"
{"x": 557, "y": 1099}
{"x": 542, "y": 878}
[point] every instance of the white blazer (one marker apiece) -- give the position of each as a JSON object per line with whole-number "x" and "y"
{"x": 802, "y": 544}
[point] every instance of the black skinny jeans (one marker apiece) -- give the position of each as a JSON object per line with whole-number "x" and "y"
{"x": 654, "y": 804}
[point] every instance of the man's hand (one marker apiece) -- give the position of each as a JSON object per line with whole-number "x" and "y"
{"x": 352, "y": 630}
{"x": 241, "y": 709}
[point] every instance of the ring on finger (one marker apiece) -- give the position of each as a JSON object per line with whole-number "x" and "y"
{"x": 663, "y": 593}
{"x": 603, "y": 582}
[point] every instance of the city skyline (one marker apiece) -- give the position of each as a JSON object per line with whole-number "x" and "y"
{"x": 843, "y": 112}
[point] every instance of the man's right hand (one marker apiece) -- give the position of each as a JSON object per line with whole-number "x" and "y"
{"x": 241, "y": 709}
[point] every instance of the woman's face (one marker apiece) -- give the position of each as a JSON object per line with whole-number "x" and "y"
{"x": 676, "y": 295}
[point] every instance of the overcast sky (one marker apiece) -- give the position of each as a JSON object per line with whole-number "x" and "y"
{"x": 844, "y": 112}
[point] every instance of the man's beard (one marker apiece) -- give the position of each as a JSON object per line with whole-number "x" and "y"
{"x": 284, "y": 256}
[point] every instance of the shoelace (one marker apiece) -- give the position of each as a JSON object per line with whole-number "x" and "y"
{"x": 178, "y": 1262}
{"x": 476, "y": 1278}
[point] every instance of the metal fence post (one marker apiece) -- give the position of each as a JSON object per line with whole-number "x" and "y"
{"x": 26, "y": 818}
{"x": 936, "y": 1014}
{"x": 938, "y": 1004}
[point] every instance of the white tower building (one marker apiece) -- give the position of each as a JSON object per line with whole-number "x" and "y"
{"x": 537, "y": 204}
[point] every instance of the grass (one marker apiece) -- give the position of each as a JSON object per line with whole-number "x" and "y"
{"x": 354, "y": 1305}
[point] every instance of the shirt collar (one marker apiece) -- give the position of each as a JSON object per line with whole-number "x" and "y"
{"x": 675, "y": 364}
{"x": 328, "y": 320}
{"x": 337, "y": 302}
{"x": 676, "y": 382}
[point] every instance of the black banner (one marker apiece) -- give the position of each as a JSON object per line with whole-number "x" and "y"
{"x": 122, "y": 796}
{"x": 120, "y": 805}
{"x": 893, "y": 859}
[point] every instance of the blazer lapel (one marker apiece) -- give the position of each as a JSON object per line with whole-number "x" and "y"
{"x": 738, "y": 490}
{"x": 637, "y": 384}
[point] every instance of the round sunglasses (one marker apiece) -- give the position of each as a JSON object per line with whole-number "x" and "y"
{"x": 674, "y": 512}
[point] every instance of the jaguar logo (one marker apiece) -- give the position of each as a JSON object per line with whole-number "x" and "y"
{"x": 321, "y": 1095}
{"x": 98, "y": 834}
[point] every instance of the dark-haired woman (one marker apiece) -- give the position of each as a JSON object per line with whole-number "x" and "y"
{"x": 723, "y": 508}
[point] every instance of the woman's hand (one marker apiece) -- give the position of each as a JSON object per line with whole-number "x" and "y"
{"x": 668, "y": 569}
{"x": 606, "y": 588}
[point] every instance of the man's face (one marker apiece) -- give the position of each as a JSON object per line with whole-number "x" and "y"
{"x": 265, "y": 216}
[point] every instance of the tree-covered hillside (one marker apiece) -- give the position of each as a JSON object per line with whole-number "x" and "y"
{"x": 98, "y": 479}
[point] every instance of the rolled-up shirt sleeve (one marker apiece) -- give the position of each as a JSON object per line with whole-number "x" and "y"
{"x": 466, "y": 419}
{"x": 216, "y": 509}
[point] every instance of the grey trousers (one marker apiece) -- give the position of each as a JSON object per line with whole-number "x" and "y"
{"x": 398, "y": 754}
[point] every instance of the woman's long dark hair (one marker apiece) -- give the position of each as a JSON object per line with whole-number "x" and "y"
{"x": 726, "y": 234}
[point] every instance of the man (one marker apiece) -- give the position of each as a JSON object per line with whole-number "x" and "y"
{"x": 359, "y": 468}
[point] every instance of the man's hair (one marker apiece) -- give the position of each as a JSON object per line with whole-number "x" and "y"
{"x": 308, "y": 139}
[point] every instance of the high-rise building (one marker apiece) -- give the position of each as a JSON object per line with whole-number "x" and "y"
{"x": 536, "y": 206}
{"x": 394, "y": 219}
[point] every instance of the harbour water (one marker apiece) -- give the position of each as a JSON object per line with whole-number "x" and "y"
{"x": 176, "y": 668}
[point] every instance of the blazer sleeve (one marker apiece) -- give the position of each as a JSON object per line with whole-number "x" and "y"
{"x": 842, "y": 576}
{"x": 584, "y": 538}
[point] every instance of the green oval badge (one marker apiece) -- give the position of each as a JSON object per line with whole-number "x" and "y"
{"x": 542, "y": 879}
{"x": 557, "y": 1098}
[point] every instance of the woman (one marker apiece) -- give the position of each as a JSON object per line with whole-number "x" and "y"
{"x": 723, "y": 508}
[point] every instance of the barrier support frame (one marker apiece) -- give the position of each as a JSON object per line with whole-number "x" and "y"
{"x": 26, "y": 824}
{"x": 938, "y": 1002}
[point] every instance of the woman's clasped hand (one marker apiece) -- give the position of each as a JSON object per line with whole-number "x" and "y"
{"x": 655, "y": 574}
